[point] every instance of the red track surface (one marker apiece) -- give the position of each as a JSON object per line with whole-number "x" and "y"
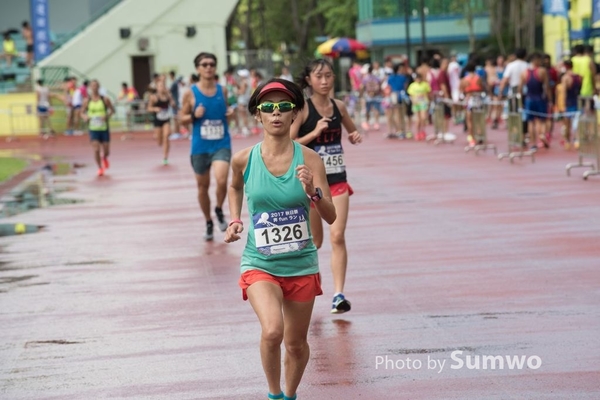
{"x": 121, "y": 298}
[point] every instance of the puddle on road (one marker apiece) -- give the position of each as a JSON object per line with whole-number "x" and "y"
{"x": 38, "y": 343}
{"x": 92, "y": 262}
{"x": 19, "y": 266}
{"x": 485, "y": 315}
{"x": 430, "y": 351}
{"x": 35, "y": 284}
{"x": 39, "y": 191}
{"x": 18, "y": 229}
{"x": 14, "y": 279}
{"x": 532, "y": 194}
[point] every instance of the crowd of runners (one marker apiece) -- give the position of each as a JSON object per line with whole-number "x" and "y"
{"x": 406, "y": 95}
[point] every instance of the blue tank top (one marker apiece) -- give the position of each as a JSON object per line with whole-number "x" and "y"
{"x": 535, "y": 87}
{"x": 573, "y": 91}
{"x": 211, "y": 132}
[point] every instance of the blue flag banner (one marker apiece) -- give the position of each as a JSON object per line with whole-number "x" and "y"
{"x": 595, "y": 11}
{"x": 41, "y": 30}
{"x": 557, "y": 8}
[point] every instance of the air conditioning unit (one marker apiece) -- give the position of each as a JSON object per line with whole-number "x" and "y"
{"x": 143, "y": 44}
{"x": 124, "y": 33}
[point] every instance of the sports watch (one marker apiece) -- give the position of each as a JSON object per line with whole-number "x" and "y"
{"x": 317, "y": 196}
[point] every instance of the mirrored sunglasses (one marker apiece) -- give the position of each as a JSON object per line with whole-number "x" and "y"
{"x": 283, "y": 106}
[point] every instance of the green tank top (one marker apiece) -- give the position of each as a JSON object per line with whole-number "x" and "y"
{"x": 96, "y": 111}
{"x": 279, "y": 238}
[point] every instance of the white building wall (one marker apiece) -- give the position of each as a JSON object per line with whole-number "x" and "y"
{"x": 99, "y": 52}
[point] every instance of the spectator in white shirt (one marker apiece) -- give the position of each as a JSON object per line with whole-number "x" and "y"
{"x": 513, "y": 72}
{"x": 285, "y": 74}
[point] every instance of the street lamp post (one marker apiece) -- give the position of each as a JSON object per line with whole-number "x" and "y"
{"x": 423, "y": 39}
{"x": 406, "y": 27}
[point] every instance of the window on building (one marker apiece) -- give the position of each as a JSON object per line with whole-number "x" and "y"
{"x": 396, "y": 8}
{"x": 365, "y": 10}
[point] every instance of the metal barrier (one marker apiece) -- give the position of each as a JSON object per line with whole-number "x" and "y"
{"x": 401, "y": 108}
{"x": 478, "y": 117}
{"x": 516, "y": 138}
{"x": 133, "y": 117}
{"x": 23, "y": 118}
{"x": 589, "y": 143}
{"x": 439, "y": 121}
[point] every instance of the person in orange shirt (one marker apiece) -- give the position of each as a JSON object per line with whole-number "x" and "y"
{"x": 472, "y": 87}
{"x": 128, "y": 92}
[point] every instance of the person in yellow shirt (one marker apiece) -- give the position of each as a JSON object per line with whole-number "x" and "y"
{"x": 9, "y": 49}
{"x": 584, "y": 66}
{"x": 420, "y": 92}
{"x": 96, "y": 111}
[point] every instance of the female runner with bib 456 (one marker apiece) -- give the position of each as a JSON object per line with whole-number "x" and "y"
{"x": 319, "y": 126}
{"x": 280, "y": 267}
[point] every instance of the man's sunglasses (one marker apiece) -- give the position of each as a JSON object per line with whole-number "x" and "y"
{"x": 283, "y": 106}
{"x": 206, "y": 65}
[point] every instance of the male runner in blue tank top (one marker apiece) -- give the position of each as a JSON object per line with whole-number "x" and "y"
{"x": 205, "y": 106}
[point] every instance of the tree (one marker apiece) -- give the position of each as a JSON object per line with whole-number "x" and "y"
{"x": 266, "y": 25}
{"x": 301, "y": 23}
{"x": 513, "y": 24}
{"x": 341, "y": 17}
{"x": 468, "y": 10}
{"x": 497, "y": 8}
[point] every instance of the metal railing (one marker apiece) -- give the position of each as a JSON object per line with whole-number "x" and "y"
{"x": 261, "y": 59}
{"x": 516, "y": 136}
{"x": 439, "y": 123}
{"x": 589, "y": 142}
{"x": 24, "y": 119}
{"x": 479, "y": 128}
{"x": 54, "y": 77}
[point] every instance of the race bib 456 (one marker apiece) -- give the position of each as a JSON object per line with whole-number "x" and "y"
{"x": 333, "y": 158}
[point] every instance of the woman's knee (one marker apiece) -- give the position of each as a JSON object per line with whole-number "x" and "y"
{"x": 272, "y": 335}
{"x": 296, "y": 347}
{"x": 338, "y": 238}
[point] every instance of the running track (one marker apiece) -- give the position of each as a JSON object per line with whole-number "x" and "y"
{"x": 120, "y": 298}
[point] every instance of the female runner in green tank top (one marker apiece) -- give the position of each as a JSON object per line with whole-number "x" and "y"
{"x": 96, "y": 111}
{"x": 280, "y": 271}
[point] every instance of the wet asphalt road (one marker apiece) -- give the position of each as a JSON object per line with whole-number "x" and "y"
{"x": 119, "y": 297}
